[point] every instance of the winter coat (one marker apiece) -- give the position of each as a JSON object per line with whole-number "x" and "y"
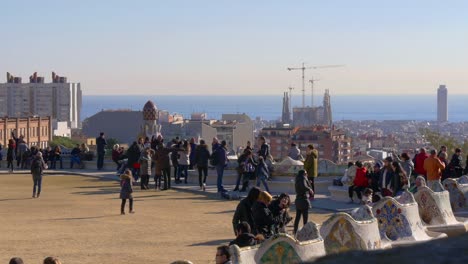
{"x": 361, "y": 179}
{"x": 37, "y": 167}
{"x": 202, "y": 156}
{"x": 133, "y": 154}
{"x": 264, "y": 219}
{"x": 283, "y": 216}
{"x": 161, "y": 157}
{"x": 244, "y": 214}
{"x": 145, "y": 164}
{"x": 419, "y": 163}
{"x": 184, "y": 157}
{"x": 389, "y": 181}
{"x": 311, "y": 163}
{"x": 193, "y": 147}
{"x": 221, "y": 156}
{"x": 264, "y": 151}
{"x": 101, "y": 144}
{"x": 303, "y": 187}
{"x": 244, "y": 240}
{"x": 126, "y": 186}
{"x": 116, "y": 154}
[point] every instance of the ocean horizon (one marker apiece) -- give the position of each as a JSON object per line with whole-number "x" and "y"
{"x": 268, "y": 107}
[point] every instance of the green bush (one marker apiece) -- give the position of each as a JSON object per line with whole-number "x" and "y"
{"x": 63, "y": 141}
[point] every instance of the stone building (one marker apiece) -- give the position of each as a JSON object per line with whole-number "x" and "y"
{"x": 37, "y": 131}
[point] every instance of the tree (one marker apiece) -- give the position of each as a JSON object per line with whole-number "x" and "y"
{"x": 63, "y": 141}
{"x": 111, "y": 142}
{"x": 437, "y": 140}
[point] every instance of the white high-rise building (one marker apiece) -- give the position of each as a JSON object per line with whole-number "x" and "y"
{"x": 59, "y": 99}
{"x": 442, "y": 104}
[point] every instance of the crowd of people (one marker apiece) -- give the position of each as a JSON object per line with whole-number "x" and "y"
{"x": 397, "y": 173}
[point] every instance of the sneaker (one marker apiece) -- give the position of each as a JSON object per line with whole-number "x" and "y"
{"x": 37, "y": 196}
{"x": 33, "y": 196}
{"x": 204, "y": 187}
{"x": 132, "y": 212}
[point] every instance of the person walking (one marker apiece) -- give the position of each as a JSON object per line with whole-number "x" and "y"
{"x": 201, "y": 159}
{"x": 221, "y": 161}
{"x": 434, "y": 168}
{"x": 145, "y": 168}
{"x": 101, "y": 144}
{"x": 262, "y": 173}
{"x": 311, "y": 164}
{"x": 11, "y": 155}
{"x": 303, "y": 187}
{"x": 126, "y": 191}
{"x": 37, "y": 169}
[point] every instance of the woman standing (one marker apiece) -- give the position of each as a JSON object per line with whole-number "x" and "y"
{"x": 126, "y": 191}
{"x": 202, "y": 157}
{"x": 37, "y": 169}
{"x": 183, "y": 161}
{"x": 11, "y": 154}
{"x": 303, "y": 188}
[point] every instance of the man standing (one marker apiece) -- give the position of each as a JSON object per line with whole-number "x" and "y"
{"x": 221, "y": 162}
{"x": 311, "y": 164}
{"x": 433, "y": 167}
{"x": 101, "y": 145}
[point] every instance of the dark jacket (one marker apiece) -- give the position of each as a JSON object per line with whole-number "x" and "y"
{"x": 193, "y": 147}
{"x": 101, "y": 144}
{"x": 303, "y": 187}
{"x": 11, "y": 153}
{"x": 202, "y": 156}
{"x": 133, "y": 154}
{"x": 161, "y": 157}
{"x": 264, "y": 151}
{"x": 221, "y": 156}
{"x": 126, "y": 187}
{"x": 244, "y": 214}
{"x": 262, "y": 171}
{"x": 389, "y": 179}
{"x": 264, "y": 219}
{"x": 37, "y": 167}
{"x": 244, "y": 240}
{"x": 374, "y": 177}
{"x": 283, "y": 216}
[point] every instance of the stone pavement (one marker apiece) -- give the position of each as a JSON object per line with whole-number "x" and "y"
{"x": 322, "y": 200}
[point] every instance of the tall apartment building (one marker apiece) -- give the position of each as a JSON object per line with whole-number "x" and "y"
{"x": 442, "y": 104}
{"x": 59, "y": 99}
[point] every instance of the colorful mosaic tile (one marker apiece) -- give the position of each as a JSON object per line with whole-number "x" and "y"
{"x": 343, "y": 237}
{"x": 392, "y": 223}
{"x": 281, "y": 252}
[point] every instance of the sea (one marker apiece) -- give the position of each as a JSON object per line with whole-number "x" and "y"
{"x": 269, "y": 107}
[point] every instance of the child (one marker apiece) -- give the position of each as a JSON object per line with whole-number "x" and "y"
{"x": 367, "y": 196}
{"x": 126, "y": 191}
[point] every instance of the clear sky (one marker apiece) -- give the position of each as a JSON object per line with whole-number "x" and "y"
{"x": 238, "y": 47}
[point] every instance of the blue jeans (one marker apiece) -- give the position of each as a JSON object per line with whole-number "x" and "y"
{"x": 182, "y": 169}
{"x": 53, "y": 163}
{"x": 74, "y": 159}
{"x": 37, "y": 184}
{"x": 219, "y": 181}
{"x": 264, "y": 181}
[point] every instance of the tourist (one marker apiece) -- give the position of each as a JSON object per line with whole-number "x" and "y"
{"x": 406, "y": 164}
{"x": 360, "y": 182}
{"x": 126, "y": 191}
{"x": 193, "y": 147}
{"x": 145, "y": 167}
{"x": 294, "y": 152}
{"x": 419, "y": 162}
{"x": 374, "y": 177}
{"x": 262, "y": 173}
{"x": 11, "y": 155}
{"x": 264, "y": 148}
{"x": 101, "y": 144}
{"x": 442, "y": 150}
{"x": 311, "y": 164}
{"x": 46, "y": 155}
{"x": 201, "y": 159}
{"x": 246, "y": 169}
{"x": 56, "y": 156}
{"x": 244, "y": 238}
{"x": 116, "y": 153}
{"x": 386, "y": 178}
{"x": 75, "y": 156}
{"x": 215, "y": 144}
{"x": 175, "y": 158}
{"x": 240, "y": 168}
{"x": 400, "y": 179}
{"x": 220, "y": 161}
{"x": 280, "y": 210}
{"x": 349, "y": 174}
{"x": 455, "y": 165}
{"x": 52, "y": 260}
{"x": 183, "y": 161}
{"x": 37, "y": 169}
{"x": 419, "y": 182}
{"x": 133, "y": 154}
{"x": 22, "y": 154}
{"x": 244, "y": 210}
{"x": 303, "y": 187}
{"x": 163, "y": 166}
{"x": 367, "y": 197}
{"x": 263, "y": 217}
{"x": 222, "y": 255}
{"x": 16, "y": 261}
{"x": 433, "y": 167}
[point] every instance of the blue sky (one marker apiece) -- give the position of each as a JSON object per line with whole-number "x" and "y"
{"x": 239, "y": 47}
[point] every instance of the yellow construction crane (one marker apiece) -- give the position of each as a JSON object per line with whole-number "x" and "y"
{"x": 303, "y": 68}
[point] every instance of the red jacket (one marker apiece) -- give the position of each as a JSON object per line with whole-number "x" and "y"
{"x": 361, "y": 180}
{"x": 419, "y": 163}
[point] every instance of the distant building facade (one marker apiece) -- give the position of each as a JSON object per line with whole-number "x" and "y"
{"x": 37, "y": 131}
{"x": 60, "y": 100}
{"x": 312, "y": 116}
{"x": 442, "y": 104}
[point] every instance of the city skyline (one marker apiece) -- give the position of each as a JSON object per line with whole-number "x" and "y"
{"x": 206, "y": 47}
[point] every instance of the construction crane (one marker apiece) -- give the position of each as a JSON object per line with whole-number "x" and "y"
{"x": 312, "y": 81}
{"x": 303, "y": 68}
